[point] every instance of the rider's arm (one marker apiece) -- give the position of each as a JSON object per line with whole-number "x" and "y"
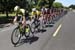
{"x": 15, "y": 19}
{"x": 24, "y": 20}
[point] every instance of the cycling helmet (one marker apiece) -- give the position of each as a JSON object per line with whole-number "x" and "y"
{"x": 46, "y": 9}
{"x": 16, "y": 8}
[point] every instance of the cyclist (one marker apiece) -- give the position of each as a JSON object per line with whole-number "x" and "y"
{"x": 35, "y": 14}
{"x": 52, "y": 14}
{"x": 18, "y": 10}
{"x": 35, "y": 19}
{"x": 48, "y": 15}
{"x": 44, "y": 13}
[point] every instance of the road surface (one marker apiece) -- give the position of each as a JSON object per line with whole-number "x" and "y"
{"x": 59, "y": 37}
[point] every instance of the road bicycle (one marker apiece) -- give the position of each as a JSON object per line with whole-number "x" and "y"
{"x": 35, "y": 25}
{"x": 19, "y": 32}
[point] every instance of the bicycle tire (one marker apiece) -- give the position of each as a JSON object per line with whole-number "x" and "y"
{"x": 33, "y": 27}
{"x": 12, "y": 41}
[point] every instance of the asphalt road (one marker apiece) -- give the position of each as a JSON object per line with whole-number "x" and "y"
{"x": 65, "y": 38}
{"x": 59, "y": 37}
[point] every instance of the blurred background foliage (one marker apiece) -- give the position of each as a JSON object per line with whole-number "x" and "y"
{"x": 7, "y": 6}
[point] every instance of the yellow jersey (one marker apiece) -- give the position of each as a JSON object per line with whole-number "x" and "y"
{"x": 35, "y": 13}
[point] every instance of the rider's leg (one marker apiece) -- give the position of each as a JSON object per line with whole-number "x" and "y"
{"x": 15, "y": 19}
{"x": 52, "y": 16}
{"x": 24, "y": 21}
{"x": 49, "y": 18}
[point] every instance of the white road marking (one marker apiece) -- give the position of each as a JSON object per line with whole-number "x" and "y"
{"x": 56, "y": 32}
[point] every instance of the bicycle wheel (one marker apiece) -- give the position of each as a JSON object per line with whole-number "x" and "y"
{"x": 27, "y": 30}
{"x": 15, "y": 36}
{"x": 33, "y": 27}
{"x": 43, "y": 23}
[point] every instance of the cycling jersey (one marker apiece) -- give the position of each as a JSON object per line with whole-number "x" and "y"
{"x": 48, "y": 11}
{"x": 26, "y": 15}
{"x": 35, "y": 13}
{"x": 43, "y": 10}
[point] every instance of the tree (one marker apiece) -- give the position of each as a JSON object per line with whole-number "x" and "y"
{"x": 72, "y": 6}
{"x": 47, "y": 3}
{"x": 51, "y": 3}
{"x": 57, "y": 5}
{"x": 6, "y": 5}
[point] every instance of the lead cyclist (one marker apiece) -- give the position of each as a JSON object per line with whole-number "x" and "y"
{"x": 18, "y": 10}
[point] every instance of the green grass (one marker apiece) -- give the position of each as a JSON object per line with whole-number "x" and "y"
{"x": 4, "y": 19}
{"x": 4, "y": 15}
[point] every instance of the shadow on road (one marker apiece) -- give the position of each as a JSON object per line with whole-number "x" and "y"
{"x": 43, "y": 30}
{"x": 1, "y": 26}
{"x": 49, "y": 25}
{"x": 4, "y": 25}
{"x": 30, "y": 40}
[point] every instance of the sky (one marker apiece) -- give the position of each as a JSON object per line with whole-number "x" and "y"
{"x": 66, "y": 2}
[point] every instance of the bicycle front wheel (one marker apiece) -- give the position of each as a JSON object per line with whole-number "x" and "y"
{"x": 33, "y": 28}
{"x": 15, "y": 36}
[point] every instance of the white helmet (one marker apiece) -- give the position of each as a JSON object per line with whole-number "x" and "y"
{"x": 16, "y": 8}
{"x": 46, "y": 9}
{"x": 34, "y": 9}
{"x": 22, "y": 11}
